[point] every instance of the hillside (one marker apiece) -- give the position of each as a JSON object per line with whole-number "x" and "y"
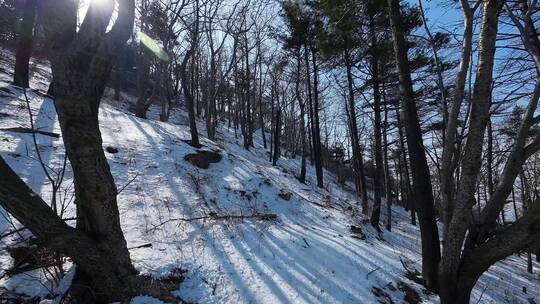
{"x": 241, "y": 231}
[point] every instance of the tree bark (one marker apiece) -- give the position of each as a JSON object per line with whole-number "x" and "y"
{"x": 379, "y": 171}
{"x": 358, "y": 163}
{"x": 315, "y": 126}
{"x": 387, "y": 177}
{"x": 409, "y": 205}
{"x": 461, "y": 217}
{"x": 302, "y": 104}
{"x": 143, "y": 71}
{"x": 25, "y": 41}
{"x": 81, "y": 66}
{"x": 449, "y": 146}
{"x": 261, "y": 112}
{"x": 113, "y": 278}
{"x": 422, "y": 189}
{"x": 247, "y": 118}
{"x": 277, "y": 135}
{"x": 117, "y": 81}
{"x": 189, "y": 101}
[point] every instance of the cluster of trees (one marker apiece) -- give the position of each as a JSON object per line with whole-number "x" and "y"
{"x": 449, "y": 101}
{"x": 365, "y": 89}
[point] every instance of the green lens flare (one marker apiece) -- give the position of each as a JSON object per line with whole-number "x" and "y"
{"x": 153, "y": 46}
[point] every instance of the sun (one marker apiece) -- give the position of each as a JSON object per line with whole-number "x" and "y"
{"x": 84, "y": 5}
{"x": 103, "y": 2}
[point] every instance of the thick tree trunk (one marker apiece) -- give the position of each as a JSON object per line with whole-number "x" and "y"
{"x": 81, "y": 66}
{"x": 452, "y": 258}
{"x": 77, "y": 98}
{"x": 448, "y": 161}
{"x": 422, "y": 191}
{"x": 24, "y": 45}
{"x": 521, "y": 150}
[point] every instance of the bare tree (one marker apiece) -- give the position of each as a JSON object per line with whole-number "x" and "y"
{"x": 81, "y": 63}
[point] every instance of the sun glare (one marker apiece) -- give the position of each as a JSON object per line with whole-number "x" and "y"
{"x": 101, "y": 2}
{"x": 85, "y": 4}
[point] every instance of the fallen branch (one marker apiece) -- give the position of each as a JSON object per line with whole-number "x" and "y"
{"x": 126, "y": 185}
{"x": 141, "y": 246}
{"x": 11, "y": 232}
{"x": 320, "y": 205}
{"x": 413, "y": 274}
{"x": 216, "y": 217}
{"x": 31, "y": 131}
{"x": 367, "y": 275}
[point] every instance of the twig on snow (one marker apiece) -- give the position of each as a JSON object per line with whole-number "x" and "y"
{"x": 215, "y": 216}
{"x": 31, "y": 131}
{"x": 367, "y": 275}
{"x": 130, "y": 181}
{"x": 141, "y": 246}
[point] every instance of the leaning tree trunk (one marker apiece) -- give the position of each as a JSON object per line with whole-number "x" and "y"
{"x": 423, "y": 196}
{"x": 24, "y": 44}
{"x": 113, "y": 278}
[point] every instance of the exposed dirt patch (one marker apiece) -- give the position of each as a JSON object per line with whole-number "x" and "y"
{"x": 411, "y": 296}
{"x": 26, "y": 258}
{"x": 203, "y": 159}
{"x": 285, "y": 195}
{"x": 111, "y": 150}
{"x": 382, "y": 296}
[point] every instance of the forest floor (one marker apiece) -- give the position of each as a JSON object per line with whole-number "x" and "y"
{"x": 217, "y": 225}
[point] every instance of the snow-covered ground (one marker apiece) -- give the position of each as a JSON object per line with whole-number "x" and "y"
{"x": 307, "y": 255}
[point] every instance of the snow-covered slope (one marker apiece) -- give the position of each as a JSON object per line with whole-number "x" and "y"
{"x": 308, "y": 254}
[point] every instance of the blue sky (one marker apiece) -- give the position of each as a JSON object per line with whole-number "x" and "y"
{"x": 441, "y": 14}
